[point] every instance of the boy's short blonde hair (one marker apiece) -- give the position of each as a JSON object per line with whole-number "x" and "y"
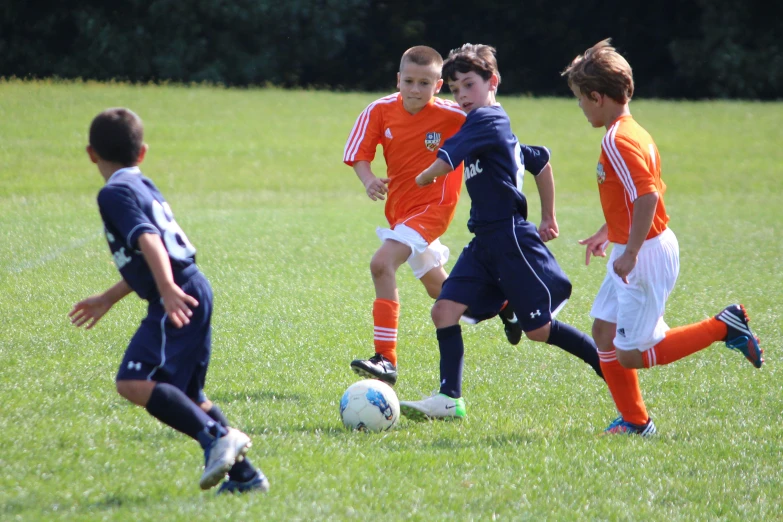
{"x": 422, "y": 55}
{"x": 603, "y": 70}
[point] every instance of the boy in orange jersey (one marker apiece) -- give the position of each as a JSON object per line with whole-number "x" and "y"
{"x": 410, "y": 125}
{"x": 628, "y": 311}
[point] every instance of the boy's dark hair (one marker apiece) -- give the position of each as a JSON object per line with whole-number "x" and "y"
{"x": 603, "y": 70}
{"x": 478, "y": 58}
{"x": 422, "y": 55}
{"x": 117, "y": 136}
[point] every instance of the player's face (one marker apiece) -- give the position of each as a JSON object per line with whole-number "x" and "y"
{"x": 590, "y": 107}
{"x": 471, "y": 91}
{"x": 418, "y": 84}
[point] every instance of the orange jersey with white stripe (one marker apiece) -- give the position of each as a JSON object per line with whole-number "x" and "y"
{"x": 410, "y": 143}
{"x": 629, "y": 167}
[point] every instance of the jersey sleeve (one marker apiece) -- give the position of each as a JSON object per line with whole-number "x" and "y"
{"x": 476, "y": 135}
{"x": 628, "y": 161}
{"x": 365, "y": 136}
{"x": 119, "y": 207}
{"x": 534, "y": 158}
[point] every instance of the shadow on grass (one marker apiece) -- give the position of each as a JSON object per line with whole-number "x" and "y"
{"x": 254, "y": 396}
{"x": 114, "y": 501}
{"x": 328, "y": 430}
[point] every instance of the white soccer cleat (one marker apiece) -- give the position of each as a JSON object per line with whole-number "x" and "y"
{"x": 221, "y": 455}
{"x": 438, "y": 406}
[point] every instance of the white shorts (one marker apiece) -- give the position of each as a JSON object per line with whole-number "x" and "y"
{"x": 637, "y": 307}
{"x": 424, "y": 256}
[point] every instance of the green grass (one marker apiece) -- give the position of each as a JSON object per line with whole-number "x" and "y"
{"x": 285, "y": 234}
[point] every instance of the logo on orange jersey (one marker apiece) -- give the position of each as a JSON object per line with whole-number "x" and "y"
{"x": 432, "y": 140}
{"x": 388, "y": 134}
{"x": 600, "y": 174}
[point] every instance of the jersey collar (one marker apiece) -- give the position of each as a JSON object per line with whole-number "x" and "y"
{"x": 128, "y": 170}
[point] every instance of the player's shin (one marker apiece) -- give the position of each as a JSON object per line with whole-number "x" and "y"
{"x": 169, "y": 405}
{"x": 452, "y": 352}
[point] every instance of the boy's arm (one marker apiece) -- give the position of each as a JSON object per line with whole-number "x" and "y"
{"x": 89, "y": 311}
{"x": 176, "y": 302}
{"x": 375, "y": 187}
{"x": 438, "y": 168}
{"x": 545, "y": 181}
{"x": 643, "y": 214}
{"x": 596, "y": 244}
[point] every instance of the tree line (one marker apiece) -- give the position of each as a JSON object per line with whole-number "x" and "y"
{"x": 678, "y": 48}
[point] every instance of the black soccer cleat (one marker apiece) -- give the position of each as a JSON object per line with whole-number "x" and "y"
{"x": 511, "y": 324}
{"x": 376, "y": 367}
{"x": 739, "y": 336}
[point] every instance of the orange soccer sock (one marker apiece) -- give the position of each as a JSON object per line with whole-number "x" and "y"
{"x": 386, "y": 317}
{"x": 624, "y": 386}
{"x": 683, "y": 341}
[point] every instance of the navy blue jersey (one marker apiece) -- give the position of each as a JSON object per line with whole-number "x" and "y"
{"x": 131, "y": 205}
{"x": 495, "y": 164}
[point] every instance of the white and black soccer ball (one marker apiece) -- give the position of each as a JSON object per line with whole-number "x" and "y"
{"x": 369, "y": 405}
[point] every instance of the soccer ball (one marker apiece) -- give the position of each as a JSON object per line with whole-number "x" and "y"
{"x": 369, "y": 405}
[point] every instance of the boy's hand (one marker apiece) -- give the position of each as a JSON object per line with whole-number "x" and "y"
{"x": 623, "y": 265}
{"x": 548, "y": 229}
{"x": 596, "y": 244}
{"x": 177, "y": 305}
{"x": 425, "y": 179}
{"x": 89, "y": 311}
{"x": 376, "y": 188}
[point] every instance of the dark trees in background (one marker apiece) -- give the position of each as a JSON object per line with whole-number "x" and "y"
{"x": 678, "y": 49}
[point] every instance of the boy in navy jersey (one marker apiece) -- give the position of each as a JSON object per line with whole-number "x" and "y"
{"x": 507, "y": 258}
{"x": 165, "y": 364}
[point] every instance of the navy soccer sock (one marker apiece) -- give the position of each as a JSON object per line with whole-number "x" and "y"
{"x": 241, "y": 471}
{"x": 172, "y": 407}
{"x": 452, "y": 352}
{"x": 576, "y": 343}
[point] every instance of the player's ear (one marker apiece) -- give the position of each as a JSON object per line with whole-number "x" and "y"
{"x": 596, "y": 97}
{"x": 142, "y": 153}
{"x": 92, "y": 154}
{"x": 494, "y": 81}
{"x": 438, "y": 85}
{"x": 398, "y": 81}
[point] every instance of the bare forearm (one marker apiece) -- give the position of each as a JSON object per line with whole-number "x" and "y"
{"x": 545, "y": 181}
{"x": 428, "y": 175}
{"x": 643, "y": 214}
{"x": 117, "y": 292}
{"x": 157, "y": 259}
{"x": 363, "y": 172}
{"x": 438, "y": 168}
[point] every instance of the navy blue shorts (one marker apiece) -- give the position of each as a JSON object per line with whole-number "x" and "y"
{"x": 161, "y": 352}
{"x": 508, "y": 261}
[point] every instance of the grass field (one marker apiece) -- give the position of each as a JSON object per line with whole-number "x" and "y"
{"x": 285, "y": 234}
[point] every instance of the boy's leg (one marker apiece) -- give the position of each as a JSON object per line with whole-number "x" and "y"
{"x": 448, "y": 402}
{"x": 731, "y": 326}
{"x": 623, "y": 383}
{"x": 172, "y": 407}
{"x": 568, "y": 338}
{"x": 386, "y": 313}
{"x": 243, "y": 477}
{"x": 222, "y": 446}
{"x": 470, "y": 284}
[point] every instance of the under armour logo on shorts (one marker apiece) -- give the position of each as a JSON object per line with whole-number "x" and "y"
{"x": 535, "y": 314}
{"x": 134, "y": 365}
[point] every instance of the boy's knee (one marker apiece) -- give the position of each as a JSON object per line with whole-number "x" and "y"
{"x": 380, "y": 267}
{"x": 136, "y": 391}
{"x": 446, "y": 313}
{"x": 539, "y": 335}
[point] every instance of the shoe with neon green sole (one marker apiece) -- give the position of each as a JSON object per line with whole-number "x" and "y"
{"x": 437, "y": 406}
